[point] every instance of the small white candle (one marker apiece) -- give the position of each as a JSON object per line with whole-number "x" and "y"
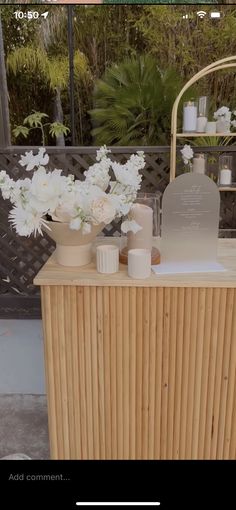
{"x": 190, "y": 117}
{"x": 107, "y": 258}
{"x": 211, "y": 127}
{"x": 139, "y": 263}
{"x": 199, "y": 165}
{"x": 201, "y": 124}
{"x": 225, "y": 176}
{"x": 143, "y": 215}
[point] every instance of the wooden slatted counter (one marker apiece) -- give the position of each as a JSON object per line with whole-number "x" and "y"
{"x": 140, "y": 369}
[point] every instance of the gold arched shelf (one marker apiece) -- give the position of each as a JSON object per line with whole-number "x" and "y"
{"x": 225, "y": 63}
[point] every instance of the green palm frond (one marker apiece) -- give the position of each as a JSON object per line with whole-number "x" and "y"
{"x": 20, "y": 130}
{"x": 57, "y": 129}
{"x": 133, "y": 102}
{"x": 35, "y": 119}
{"x": 213, "y": 141}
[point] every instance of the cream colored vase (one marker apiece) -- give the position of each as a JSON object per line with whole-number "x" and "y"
{"x": 72, "y": 247}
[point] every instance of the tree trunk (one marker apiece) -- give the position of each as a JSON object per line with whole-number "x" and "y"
{"x": 5, "y": 134}
{"x": 58, "y": 116}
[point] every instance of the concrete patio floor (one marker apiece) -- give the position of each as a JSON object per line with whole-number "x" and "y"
{"x": 21, "y": 357}
{"x": 24, "y": 426}
{"x": 23, "y": 406}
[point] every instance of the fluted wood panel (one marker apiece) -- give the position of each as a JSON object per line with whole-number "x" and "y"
{"x": 140, "y": 372}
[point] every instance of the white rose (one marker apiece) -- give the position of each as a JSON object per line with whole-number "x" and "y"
{"x": 46, "y": 189}
{"x": 103, "y": 210}
{"x": 61, "y": 214}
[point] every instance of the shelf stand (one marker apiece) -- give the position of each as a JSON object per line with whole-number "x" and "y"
{"x": 225, "y": 63}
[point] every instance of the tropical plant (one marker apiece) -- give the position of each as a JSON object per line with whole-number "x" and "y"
{"x": 213, "y": 141}
{"x": 36, "y": 121}
{"x": 53, "y": 70}
{"x": 186, "y": 44}
{"x": 133, "y": 102}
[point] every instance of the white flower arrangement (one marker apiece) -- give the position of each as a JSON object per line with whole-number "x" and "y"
{"x": 81, "y": 204}
{"x": 187, "y": 154}
{"x": 223, "y": 113}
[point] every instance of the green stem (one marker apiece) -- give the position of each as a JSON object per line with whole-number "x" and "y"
{"x": 43, "y": 135}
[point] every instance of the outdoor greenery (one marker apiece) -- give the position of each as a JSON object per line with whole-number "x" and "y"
{"x": 130, "y": 63}
{"x": 163, "y": 1}
{"x": 37, "y": 121}
{"x": 133, "y": 101}
{"x": 133, "y": 1}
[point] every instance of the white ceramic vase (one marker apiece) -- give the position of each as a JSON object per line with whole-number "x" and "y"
{"x": 73, "y": 248}
{"x": 223, "y": 126}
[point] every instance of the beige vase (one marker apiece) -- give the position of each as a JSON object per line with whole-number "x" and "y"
{"x": 73, "y": 248}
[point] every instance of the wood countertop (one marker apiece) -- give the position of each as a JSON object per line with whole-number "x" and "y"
{"x": 54, "y": 274}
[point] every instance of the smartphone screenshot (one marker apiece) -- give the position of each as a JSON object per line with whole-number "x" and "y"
{"x": 117, "y": 253}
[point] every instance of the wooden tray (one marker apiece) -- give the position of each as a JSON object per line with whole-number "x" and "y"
{"x": 156, "y": 256}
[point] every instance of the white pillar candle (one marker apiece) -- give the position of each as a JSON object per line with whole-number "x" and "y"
{"x": 199, "y": 165}
{"x": 143, "y": 215}
{"x": 201, "y": 124}
{"x": 190, "y": 117}
{"x": 139, "y": 263}
{"x": 225, "y": 176}
{"x": 211, "y": 127}
{"x": 107, "y": 258}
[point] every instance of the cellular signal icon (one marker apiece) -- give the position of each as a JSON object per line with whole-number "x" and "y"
{"x": 201, "y": 14}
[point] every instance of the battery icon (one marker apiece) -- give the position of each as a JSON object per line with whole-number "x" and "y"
{"x": 215, "y": 14}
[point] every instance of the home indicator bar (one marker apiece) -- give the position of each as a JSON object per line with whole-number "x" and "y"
{"x": 118, "y": 503}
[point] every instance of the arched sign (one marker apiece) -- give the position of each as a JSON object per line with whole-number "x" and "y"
{"x": 190, "y": 223}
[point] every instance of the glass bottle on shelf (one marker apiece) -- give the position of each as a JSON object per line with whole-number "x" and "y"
{"x": 202, "y": 113}
{"x": 225, "y": 170}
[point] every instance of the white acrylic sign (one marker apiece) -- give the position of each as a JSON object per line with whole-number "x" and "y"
{"x": 190, "y": 222}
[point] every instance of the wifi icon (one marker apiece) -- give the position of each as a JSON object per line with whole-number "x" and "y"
{"x": 201, "y": 14}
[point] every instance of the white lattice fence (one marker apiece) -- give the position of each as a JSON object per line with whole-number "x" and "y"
{"x": 22, "y": 258}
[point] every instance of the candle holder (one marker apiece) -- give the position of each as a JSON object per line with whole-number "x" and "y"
{"x": 139, "y": 263}
{"x": 199, "y": 163}
{"x": 107, "y": 258}
{"x": 210, "y": 127}
{"x": 225, "y": 170}
{"x": 190, "y": 117}
{"x": 202, "y": 113}
{"x": 146, "y": 212}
